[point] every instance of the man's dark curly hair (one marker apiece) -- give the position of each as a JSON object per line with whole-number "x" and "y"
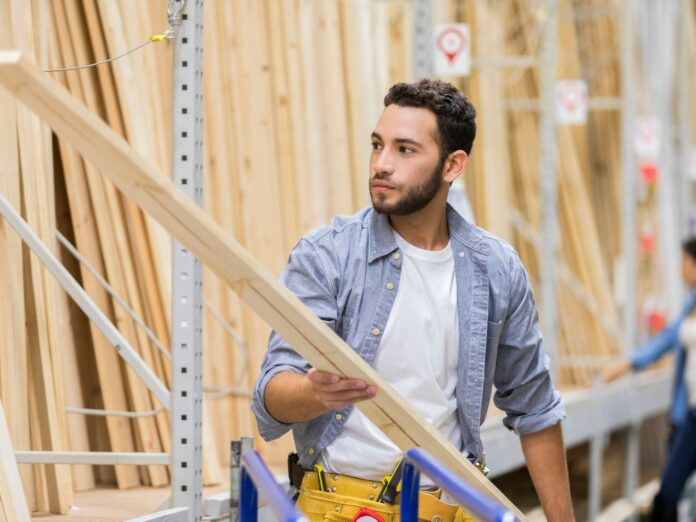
{"x": 689, "y": 247}
{"x": 456, "y": 116}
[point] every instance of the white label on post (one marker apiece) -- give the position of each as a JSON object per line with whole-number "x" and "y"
{"x": 571, "y": 102}
{"x": 692, "y": 162}
{"x": 647, "y": 139}
{"x": 452, "y": 50}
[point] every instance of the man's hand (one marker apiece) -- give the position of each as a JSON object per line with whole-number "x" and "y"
{"x": 293, "y": 397}
{"x": 335, "y": 392}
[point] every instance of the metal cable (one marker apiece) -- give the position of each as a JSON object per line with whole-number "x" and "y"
{"x": 150, "y": 334}
{"x": 233, "y": 389}
{"x": 116, "y": 413}
{"x": 153, "y": 38}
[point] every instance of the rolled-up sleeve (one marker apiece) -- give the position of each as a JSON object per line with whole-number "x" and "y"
{"x": 524, "y": 390}
{"x": 306, "y": 276}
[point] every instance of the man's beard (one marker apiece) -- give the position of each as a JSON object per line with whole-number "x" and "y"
{"x": 412, "y": 200}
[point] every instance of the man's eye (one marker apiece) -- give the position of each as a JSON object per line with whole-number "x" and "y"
{"x": 376, "y": 146}
{"x": 405, "y": 150}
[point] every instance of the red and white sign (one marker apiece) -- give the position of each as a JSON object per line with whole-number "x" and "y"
{"x": 571, "y": 102}
{"x": 647, "y": 138}
{"x": 452, "y": 50}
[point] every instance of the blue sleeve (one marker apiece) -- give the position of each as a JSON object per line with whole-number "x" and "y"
{"x": 658, "y": 346}
{"x": 305, "y": 275}
{"x": 524, "y": 390}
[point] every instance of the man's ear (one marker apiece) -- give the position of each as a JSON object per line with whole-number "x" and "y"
{"x": 454, "y": 165}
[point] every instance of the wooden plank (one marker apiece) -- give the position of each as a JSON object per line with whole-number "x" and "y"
{"x": 113, "y": 396}
{"x": 14, "y": 504}
{"x": 13, "y": 347}
{"x": 115, "y": 247}
{"x": 362, "y": 96}
{"x": 40, "y": 290}
{"x": 76, "y": 425}
{"x": 229, "y": 418}
{"x": 491, "y": 168}
{"x": 194, "y": 228}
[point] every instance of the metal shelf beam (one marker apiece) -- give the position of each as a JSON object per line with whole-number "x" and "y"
{"x": 589, "y": 412}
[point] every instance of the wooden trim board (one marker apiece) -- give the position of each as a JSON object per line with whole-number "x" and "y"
{"x": 158, "y": 196}
{"x": 13, "y": 505}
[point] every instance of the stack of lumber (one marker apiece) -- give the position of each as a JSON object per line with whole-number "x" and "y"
{"x": 292, "y": 90}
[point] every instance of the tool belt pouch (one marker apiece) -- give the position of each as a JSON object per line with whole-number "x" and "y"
{"x": 295, "y": 471}
{"x": 341, "y": 503}
{"x": 340, "y": 506}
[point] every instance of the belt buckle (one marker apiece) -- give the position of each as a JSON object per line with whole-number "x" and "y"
{"x": 480, "y": 464}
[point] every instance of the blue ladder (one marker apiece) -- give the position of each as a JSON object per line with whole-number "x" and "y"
{"x": 418, "y": 460}
{"x": 255, "y": 474}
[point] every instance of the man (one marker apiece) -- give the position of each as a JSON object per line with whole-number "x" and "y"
{"x": 441, "y": 309}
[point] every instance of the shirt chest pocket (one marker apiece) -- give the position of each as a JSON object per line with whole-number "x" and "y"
{"x": 493, "y": 333}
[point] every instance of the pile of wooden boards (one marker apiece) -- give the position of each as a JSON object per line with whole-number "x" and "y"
{"x": 292, "y": 90}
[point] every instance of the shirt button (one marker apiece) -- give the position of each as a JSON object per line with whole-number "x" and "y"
{"x": 339, "y": 416}
{"x": 461, "y": 254}
{"x": 397, "y": 256}
{"x": 376, "y": 331}
{"x": 311, "y": 451}
{"x": 390, "y": 286}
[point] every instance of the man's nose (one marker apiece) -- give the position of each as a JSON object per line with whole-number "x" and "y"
{"x": 383, "y": 162}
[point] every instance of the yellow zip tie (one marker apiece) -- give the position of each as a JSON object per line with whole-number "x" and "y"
{"x": 159, "y": 37}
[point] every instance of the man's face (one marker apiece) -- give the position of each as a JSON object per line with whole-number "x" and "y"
{"x": 688, "y": 267}
{"x": 405, "y": 166}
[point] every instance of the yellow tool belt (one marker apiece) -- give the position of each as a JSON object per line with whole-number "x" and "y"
{"x": 343, "y": 496}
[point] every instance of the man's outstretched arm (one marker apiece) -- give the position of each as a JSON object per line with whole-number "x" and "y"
{"x": 293, "y": 397}
{"x": 546, "y": 461}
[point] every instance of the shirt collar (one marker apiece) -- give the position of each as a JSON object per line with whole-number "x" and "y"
{"x": 382, "y": 242}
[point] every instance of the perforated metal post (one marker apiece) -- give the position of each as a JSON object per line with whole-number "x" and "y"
{"x": 684, "y": 178}
{"x": 549, "y": 194}
{"x": 628, "y": 221}
{"x": 187, "y": 283}
{"x": 422, "y": 39}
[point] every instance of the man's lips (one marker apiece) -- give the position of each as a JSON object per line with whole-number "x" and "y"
{"x": 380, "y": 186}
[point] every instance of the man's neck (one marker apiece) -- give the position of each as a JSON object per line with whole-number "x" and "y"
{"x": 426, "y": 229}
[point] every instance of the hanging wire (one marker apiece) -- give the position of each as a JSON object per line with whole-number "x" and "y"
{"x": 174, "y": 16}
{"x": 234, "y": 388}
{"x": 78, "y": 67}
{"x": 116, "y": 413}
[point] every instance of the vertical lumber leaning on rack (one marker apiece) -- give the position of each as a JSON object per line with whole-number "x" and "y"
{"x": 40, "y": 289}
{"x": 491, "y": 166}
{"x": 13, "y": 348}
{"x": 320, "y": 346}
{"x": 228, "y": 418}
{"x": 13, "y": 505}
{"x": 88, "y": 240}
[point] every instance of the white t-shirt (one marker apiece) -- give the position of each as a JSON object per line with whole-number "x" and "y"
{"x": 687, "y": 336}
{"x": 418, "y": 355}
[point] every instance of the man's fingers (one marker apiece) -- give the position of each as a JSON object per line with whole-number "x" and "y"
{"x": 330, "y": 382}
{"x": 341, "y": 396}
{"x": 319, "y": 376}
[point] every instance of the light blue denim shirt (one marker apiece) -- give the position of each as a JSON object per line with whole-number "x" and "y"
{"x": 341, "y": 272}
